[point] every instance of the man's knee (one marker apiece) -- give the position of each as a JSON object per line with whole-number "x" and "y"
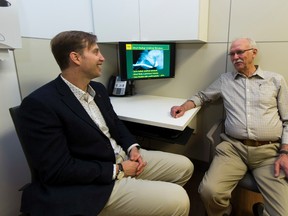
{"x": 189, "y": 166}
{"x": 180, "y": 203}
{"x": 209, "y": 192}
{"x": 185, "y": 170}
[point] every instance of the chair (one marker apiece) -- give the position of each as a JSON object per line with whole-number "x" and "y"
{"x": 248, "y": 182}
{"x": 14, "y": 112}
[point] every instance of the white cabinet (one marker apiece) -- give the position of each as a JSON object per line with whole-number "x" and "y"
{"x": 9, "y": 25}
{"x": 116, "y": 20}
{"x": 150, "y": 20}
{"x": 45, "y": 19}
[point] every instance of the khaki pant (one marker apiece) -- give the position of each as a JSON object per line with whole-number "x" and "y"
{"x": 231, "y": 161}
{"x": 157, "y": 191}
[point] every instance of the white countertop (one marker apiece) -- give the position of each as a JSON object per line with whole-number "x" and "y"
{"x": 152, "y": 110}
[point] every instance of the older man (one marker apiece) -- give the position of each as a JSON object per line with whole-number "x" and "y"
{"x": 256, "y": 133}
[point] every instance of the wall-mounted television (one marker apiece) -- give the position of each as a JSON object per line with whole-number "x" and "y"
{"x": 146, "y": 60}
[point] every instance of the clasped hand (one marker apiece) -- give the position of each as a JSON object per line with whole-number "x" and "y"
{"x": 135, "y": 165}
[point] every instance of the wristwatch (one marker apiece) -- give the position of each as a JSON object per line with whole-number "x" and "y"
{"x": 120, "y": 173}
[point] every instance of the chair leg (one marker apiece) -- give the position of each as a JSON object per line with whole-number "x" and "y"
{"x": 258, "y": 209}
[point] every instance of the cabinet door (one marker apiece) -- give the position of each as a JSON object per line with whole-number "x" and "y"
{"x": 9, "y": 25}
{"x": 116, "y": 20}
{"x": 45, "y": 19}
{"x": 183, "y": 20}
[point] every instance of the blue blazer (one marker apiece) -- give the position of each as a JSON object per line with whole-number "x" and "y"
{"x": 70, "y": 158}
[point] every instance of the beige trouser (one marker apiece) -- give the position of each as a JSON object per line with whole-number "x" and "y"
{"x": 157, "y": 191}
{"x": 230, "y": 163}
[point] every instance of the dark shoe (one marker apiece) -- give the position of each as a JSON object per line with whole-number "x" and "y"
{"x": 258, "y": 209}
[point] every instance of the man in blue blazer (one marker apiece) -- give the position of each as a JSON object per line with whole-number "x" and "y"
{"x": 84, "y": 160}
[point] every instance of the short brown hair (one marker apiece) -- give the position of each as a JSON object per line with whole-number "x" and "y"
{"x": 70, "y": 41}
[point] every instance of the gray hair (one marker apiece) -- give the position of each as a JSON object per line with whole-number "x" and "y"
{"x": 251, "y": 42}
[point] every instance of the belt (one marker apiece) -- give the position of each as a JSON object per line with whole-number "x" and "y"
{"x": 254, "y": 143}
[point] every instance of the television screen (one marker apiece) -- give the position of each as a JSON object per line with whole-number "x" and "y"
{"x": 146, "y": 60}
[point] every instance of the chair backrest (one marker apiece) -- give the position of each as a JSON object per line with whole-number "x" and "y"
{"x": 14, "y": 112}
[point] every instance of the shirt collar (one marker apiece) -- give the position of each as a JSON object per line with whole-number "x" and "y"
{"x": 79, "y": 93}
{"x": 259, "y": 72}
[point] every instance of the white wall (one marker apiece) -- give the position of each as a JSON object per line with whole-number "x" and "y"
{"x": 14, "y": 171}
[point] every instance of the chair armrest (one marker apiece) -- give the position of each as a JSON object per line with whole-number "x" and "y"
{"x": 213, "y": 136}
